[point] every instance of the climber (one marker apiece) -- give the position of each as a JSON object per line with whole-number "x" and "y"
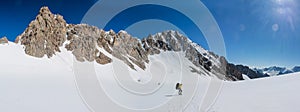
{"x": 179, "y": 88}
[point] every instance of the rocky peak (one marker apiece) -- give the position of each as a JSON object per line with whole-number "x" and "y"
{"x": 3, "y": 40}
{"x": 44, "y": 35}
{"x": 45, "y": 11}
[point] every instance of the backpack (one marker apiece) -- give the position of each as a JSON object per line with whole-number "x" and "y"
{"x": 177, "y": 86}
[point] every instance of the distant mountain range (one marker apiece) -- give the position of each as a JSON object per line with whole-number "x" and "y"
{"x": 274, "y": 70}
{"x": 253, "y": 73}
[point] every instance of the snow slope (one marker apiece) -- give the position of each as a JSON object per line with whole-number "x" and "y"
{"x": 31, "y": 84}
{"x": 272, "y": 94}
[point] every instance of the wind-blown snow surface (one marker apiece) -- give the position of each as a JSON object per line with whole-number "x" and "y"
{"x": 272, "y": 94}
{"x": 29, "y": 84}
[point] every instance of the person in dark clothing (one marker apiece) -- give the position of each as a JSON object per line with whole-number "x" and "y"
{"x": 179, "y": 88}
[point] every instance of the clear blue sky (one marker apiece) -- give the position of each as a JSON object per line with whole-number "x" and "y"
{"x": 257, "y": 33}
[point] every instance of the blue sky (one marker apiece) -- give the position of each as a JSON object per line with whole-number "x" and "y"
{"x": 257, "y": 33}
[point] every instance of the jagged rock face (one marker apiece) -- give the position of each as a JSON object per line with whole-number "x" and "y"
{"x": 166, "y": 41}
{"x": 150, "y": 46}
{"x": 222, "y": 68}
{"x": 3, "y": 40}
{"x": 124, "y": 44}
{"x": 233, "y": 73}
{"x": 173, "y": 41}
{"x": 82, "y": 42}
{"x": 44, "y": 35}
{"x": 85, "y": 41}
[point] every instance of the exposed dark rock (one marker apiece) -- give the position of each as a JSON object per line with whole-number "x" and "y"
{"x": 249, "y": 72}
{"x": 103, "y": 59}
{"x": 233, "y": 72}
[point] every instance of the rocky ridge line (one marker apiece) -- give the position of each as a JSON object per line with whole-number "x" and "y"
{"x": 49, "y": 33}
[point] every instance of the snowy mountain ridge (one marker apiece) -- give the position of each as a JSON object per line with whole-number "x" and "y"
{"x": 49, "y": 33}
{"x": 274, "y": 70}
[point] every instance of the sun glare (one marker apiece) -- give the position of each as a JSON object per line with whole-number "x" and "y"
{"x": 283, "y": 6}
{"x": 278, "y": 1}
{"x": 282, "y": 2}
{"x": 284, "y": 10}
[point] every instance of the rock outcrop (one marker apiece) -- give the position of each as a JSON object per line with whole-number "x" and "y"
{"x": 44, "y": 35}
{"x": 3, "y": 40}
{"x": 86, "y": 41}
{"x": 249, "y": 72}
{"x": 129, "y": 49}
{"x": 82, "y": 42}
